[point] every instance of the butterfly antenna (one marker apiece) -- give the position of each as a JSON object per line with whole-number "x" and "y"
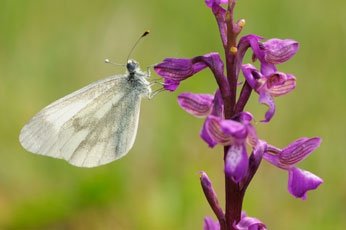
{"x": 134, "y": 46}
{"x": 113, "y": 63}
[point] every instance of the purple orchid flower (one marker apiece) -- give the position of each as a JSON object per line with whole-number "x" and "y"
{"x": 299, "y": 181}
{"x": 227, "y": 124}
{"x": 175, "y": 70}
{"x": 269, "y": 53}
{"x": 217, "y": 130}
{"x": 268, "y": 86}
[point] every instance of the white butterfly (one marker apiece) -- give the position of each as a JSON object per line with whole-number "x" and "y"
{"x": 92, "y": 126}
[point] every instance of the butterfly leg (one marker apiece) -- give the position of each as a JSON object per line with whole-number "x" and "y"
{"x": 153, "y": 94}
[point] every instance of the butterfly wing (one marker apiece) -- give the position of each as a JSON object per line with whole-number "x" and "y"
{"x": 90, "y": 127}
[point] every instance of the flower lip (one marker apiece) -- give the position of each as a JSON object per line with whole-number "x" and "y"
{"x": 301, "y": 181}
{"x": 236, "y": 162}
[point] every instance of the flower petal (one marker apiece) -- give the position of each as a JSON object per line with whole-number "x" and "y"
{"x": 225, "y": 132}
{"x": 210, "y": 3}
{"x": 199, "y": 105}
{"x": 250, "y": 223}
{"x": 266, "y": 99}
{"x": 274, "y": 159}
{"x": 298, "y": 150}
{"x": 278, "y": 51}
{"x": 301, "y": 181}
{"x": 252, "y": 75}
{"x": 259, "y": 150}
{"x": 293, "y": 153}
{"x": 246, "y": 118}
{"x": 237, "y": 162}
{"x": 278, "y": 83}
{"x": 210, "y": 224}
{"x": 253, "y": 41}
{"x": 252, "y": 138}
{"x": 174, "y": 70}
{"x": 170, "y": 85}
{"x": 218, "y": 105}
{"x": 204, "y": 134}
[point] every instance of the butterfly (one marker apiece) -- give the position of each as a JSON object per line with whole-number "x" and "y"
{"x": 93, "y": 125}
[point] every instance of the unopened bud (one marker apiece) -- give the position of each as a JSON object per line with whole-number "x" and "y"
{"x": 234, "y": 50}
{"x": 228, "y": 17}
{"x": 241, "y": 23}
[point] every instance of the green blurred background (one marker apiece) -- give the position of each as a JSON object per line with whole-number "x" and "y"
{"x": 51, "y": 48}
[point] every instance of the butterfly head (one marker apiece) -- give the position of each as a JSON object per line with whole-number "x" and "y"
{"x": 132, "y": 66}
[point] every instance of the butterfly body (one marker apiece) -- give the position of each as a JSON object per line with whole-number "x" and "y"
{"x": 91, "y": 126}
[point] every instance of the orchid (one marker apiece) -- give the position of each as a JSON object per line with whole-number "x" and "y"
{"x": 227, "y": 124}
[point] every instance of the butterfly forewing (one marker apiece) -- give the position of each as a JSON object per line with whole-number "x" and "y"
{"x": 90, "y": 127}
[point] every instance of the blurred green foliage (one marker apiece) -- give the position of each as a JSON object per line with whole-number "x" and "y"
{"x": 50, "y": 48}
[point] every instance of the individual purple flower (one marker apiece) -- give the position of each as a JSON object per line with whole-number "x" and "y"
{"x": 234, "y": 135}
{"x": 229, "y": 132}
{"x": 249, "y": 223}
{"x": 210, "y": 224}
{"x": 225, "y": 132}
{"x": 175, "y": 70}
{"x": 268, "y": 86}
{"x": 299, "y": 181}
